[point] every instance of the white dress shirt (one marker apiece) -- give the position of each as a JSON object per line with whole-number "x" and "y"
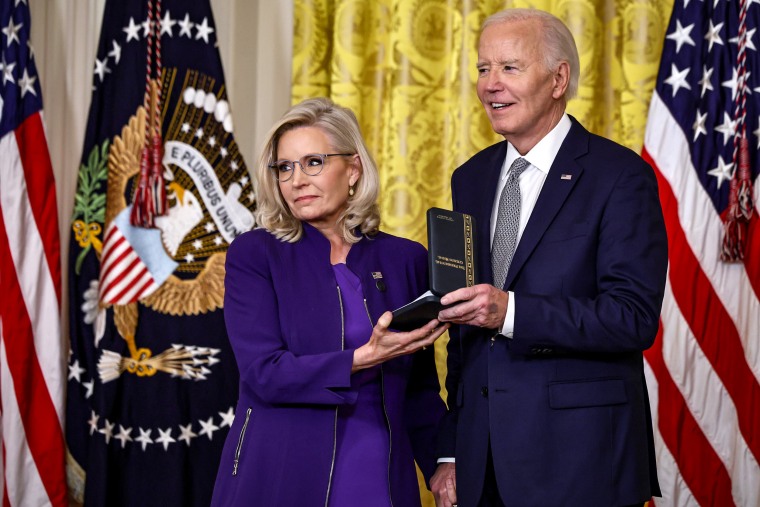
{"x": 540, "y": 158}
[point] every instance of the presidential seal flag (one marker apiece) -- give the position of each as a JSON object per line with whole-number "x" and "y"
{"x": 32, "y": 365}
{"x": 162, "y": 191}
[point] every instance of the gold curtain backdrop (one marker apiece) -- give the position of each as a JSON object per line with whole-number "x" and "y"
{"x": 407, "y": 69}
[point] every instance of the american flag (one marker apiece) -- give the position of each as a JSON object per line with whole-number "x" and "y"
{"x": 31, "y": 354}
{"x": 703, "y": 371}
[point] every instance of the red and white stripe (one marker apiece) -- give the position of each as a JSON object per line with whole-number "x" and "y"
{"x": 703, "y": 371}
{"x": 32, "y": 364}
{"x": 124, "y": 277}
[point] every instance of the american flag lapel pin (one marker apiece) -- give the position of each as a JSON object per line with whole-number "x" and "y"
{"x": 379, "y": 283}
{"x": 566, "y": 177}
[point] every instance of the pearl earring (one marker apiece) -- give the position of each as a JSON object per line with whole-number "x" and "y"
{"x": 351, "y": 191}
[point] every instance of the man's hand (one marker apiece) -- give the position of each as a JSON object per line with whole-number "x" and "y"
{"x": 481, "y": 305}
{"x": 443, "y": 484}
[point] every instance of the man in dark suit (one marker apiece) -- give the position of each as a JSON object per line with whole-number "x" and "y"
{"x": 547, "y": 399}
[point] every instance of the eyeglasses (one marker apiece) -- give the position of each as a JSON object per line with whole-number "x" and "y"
{"x": 311, "y": 165}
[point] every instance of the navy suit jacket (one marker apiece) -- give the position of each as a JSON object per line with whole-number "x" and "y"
{"x": 564, "y": 401}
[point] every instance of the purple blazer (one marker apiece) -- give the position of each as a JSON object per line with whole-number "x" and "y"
{"x": 284, "y": 320}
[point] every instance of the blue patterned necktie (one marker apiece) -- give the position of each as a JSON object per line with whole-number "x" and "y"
{"x": 507, "y": 224}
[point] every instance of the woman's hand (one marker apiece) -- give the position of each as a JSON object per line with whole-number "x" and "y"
{"x": 384, "y": 344}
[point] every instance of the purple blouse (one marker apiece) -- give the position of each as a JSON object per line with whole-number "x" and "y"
{"x": 361, "y": 460}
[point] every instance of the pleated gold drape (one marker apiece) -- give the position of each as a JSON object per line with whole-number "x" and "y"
{"x": 407, "y": 69}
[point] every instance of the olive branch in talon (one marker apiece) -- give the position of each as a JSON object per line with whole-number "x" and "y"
{"x": 90, "y": 203}
{"x": 185, "y": 361}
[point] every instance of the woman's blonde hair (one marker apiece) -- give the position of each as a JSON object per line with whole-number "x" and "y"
{"x": 362, "y": 215}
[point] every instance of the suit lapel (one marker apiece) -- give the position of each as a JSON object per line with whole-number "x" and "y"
{"x": 563, "y": 175}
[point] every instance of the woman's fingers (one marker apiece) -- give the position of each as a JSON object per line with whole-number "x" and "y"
{"x": 384, "y": 321}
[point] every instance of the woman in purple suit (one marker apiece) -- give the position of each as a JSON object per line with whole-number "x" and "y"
{"x": 333, "y": 407}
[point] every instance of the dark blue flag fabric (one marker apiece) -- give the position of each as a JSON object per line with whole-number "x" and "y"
{"x": 152, "y": 380}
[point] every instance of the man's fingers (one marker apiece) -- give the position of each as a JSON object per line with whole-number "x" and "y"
{"x": 464, "y": 309}
{"x": 451, "y": 490}
{"x": 459, "y": 314}
{"x": 466, "y": 293}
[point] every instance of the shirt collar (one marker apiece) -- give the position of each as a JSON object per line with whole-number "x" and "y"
{"x": 542, "y": 155}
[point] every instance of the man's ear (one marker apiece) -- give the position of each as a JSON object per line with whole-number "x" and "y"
{"x": 561, "y": 80}
{"x": 355, "y": 170}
